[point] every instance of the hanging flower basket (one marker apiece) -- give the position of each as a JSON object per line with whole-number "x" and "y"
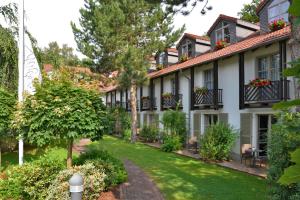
{"x": 167, "y": 95}
{"x": 201, "y": 90}
{"x": 277, "y": 25}
{"x": 260, "y": 82}
{"x": 183, "y": 58}
{"x": 220, "y": 44}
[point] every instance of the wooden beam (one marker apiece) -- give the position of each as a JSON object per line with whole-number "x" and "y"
{"x": 151, "y": 95}
{"x": 141, "y": 95}
{"x": 161, "y": 92}
{"x": 121, "y": 98}
{"x": 115, "y": 97}
{"x": 106, "y": 99}
{"x": 126, "y": 104}
{"x": 192, "y": 88}
{"x": 111, "y": 99}
{"x": 241, "y": 80}
{"x": 177, "y": 86}
{"x": 216, "y": 83}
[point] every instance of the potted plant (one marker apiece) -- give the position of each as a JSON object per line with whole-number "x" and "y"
{"x": 258, "y": 82}
{"x": 201, "y": 90}
{"x": 277, "y": 25}
{"x": 167, "y": 95}
{"x": 220, "y": 44}
{"x": 184, "y": 58}
{"x": 159, "y": 66}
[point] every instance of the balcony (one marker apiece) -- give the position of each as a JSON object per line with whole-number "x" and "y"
{"x": 170, "y": 102}
{"x": 147, "y": 103}
{"x": 209, "y": 98}
{"x": 129, "y": 105}
{"x": 274, "y": 92}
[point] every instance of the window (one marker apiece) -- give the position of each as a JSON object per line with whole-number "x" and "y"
{"x": 279, "y": 10}
{"x": 161, "y": 58}
{"x": 208, "y": 79}
{"x": 173, "y": 86}
{"x": 187, "y": 48}
{"x": 269, "y": 67}
{"x": 210, "y": 120}
{"x": 223, "y": 33}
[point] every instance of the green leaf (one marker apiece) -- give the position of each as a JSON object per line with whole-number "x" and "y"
{"x": 295, "y": 8}
{"x": 292, "y": 174}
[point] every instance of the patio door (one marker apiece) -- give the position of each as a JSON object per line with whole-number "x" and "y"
{"x": 264, "y": 127}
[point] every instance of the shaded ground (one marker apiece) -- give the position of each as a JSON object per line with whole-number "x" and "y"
{"x": 182, "y": 178}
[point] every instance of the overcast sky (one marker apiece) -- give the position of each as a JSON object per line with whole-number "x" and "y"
{"x": 49, "y": 20}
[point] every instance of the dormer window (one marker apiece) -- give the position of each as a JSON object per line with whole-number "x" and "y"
{"x": 161, "y": 58}
{"x": 278, "y": 10}
{"x": 187, "y": 48}
{"x": 223, "y": 32}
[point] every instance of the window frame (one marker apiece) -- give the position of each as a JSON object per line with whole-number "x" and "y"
{"x": 222, "y": 29}
{"x": 269, "y": 66}
{"x": 278, "y": 16}
{"x": 189, "y": 51}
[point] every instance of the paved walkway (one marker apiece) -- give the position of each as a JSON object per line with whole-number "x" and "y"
{"x": 256, "y": 171}
{"x": 139, "y": 186}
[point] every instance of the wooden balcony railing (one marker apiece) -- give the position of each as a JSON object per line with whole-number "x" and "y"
{"x": 208, "y": 98}
{"x": 147, "y": 103}
{"x": 171, "y": 102}
{"x": 276, "y": 91}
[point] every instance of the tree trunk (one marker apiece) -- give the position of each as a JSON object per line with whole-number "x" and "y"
{"x": 0, "y": 157}
{"x": 295, "y": 39}
{"x": 133, "y": 88}
{"x": 69, "y": 156}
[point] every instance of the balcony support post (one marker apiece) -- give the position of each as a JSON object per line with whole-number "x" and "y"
{"x": 242, "y": 80}
{"x": 216, "y": 84}
{"x": 151, "y": 96}
{"x": 192, "y": 103}
{"x": 141, "y": 100}
{"x": 161, "y": 93}
{"x": 111, "y": 99}
{"x": 284, "y": 85}
{"x": 176, "y": 87}
{"x": 126, "y": 104}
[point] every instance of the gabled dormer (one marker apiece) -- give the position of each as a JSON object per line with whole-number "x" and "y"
{"x": 167, "y": 57}
{"x": 191, "y": 45}
{"x": 271, "y": 10}
{"x": 230, "y": 30}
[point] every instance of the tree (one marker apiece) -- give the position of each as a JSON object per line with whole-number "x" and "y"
{"x": 295, "y": 25}
{"x": 248, "y": 12}
{"x": 291, "y": 174}
{"x": 122, "y": 35}
{"x": 9, "y": 12}
{"x": 7, "y": 106}
{"x": 60, "y": 112}
{"x": 59, "y": 56}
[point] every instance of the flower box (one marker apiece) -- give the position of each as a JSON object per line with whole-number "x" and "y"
{"x": 183, "y": 58}
{"x": 167, "y": 95}
{"x": 260, "y": 82}
{"x": 201, "y": 90}
{"x": 220, "y": 44}
{"x": 277, "y": 25}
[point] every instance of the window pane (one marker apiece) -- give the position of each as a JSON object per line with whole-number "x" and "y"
{"x": 226, "y": 34}
{"x": 190, "y": 49}
{"x": 219, "y": 35}
{"x": 275, "y": 67}
{"x": 208, "y": 79}
{"x": 279, "y": 11}
{"x": 262, "y": 68}
{"x": 173, "y": 86}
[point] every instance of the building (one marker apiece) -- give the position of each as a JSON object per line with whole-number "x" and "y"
{"x": 214, "y": 82}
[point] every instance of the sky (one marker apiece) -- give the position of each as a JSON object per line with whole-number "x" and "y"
{"x": 49, "y": 20}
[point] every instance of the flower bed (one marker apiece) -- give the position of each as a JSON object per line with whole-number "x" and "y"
{"x": 260, "y": 82}
{"x": 277, "y": 25}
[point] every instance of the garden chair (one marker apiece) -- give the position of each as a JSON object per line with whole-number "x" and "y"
{"x": 246, "y": 153}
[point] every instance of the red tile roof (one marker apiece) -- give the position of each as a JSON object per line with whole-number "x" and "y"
{"x": 247, "y": 44}
{"x": 172, "y": 50}
{"x": 193, "y": 36}
{"x": 242, "y": 46}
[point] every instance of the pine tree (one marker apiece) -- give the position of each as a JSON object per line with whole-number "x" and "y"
{"x": 122, "y": 35}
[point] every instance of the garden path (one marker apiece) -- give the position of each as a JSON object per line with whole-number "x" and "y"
{"x": 138, "y": 186}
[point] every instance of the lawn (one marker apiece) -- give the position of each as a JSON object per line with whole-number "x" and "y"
{"x": 11, "y": 159}
{"x": 183, "y": 178}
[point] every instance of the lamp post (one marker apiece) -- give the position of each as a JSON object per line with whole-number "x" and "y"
{"x": 21, "y": 70}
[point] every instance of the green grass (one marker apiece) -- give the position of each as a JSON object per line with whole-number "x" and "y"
{"x": 183, "y": 178}
{"x": 12, "y": 159}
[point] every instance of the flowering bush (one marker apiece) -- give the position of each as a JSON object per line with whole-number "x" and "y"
{"x": 260, "y": 82}
{"x": 220, "y": 44}
{"x": 277, "y": 24}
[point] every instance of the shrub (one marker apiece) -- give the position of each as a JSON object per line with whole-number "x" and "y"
{"x": 149, "y": 133}
{"x": 171, "y": 143}
{"x": 127, "y": 135}
{"x": 284, "y": 138}
{"x": 120, "y": 120}
{"x": 31, "y": 180}
{"x": 93, "y": 182}
{"x": 217, "y": 142}
{"x": 174, "y": 123}
{"x": 113, "y": 168}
